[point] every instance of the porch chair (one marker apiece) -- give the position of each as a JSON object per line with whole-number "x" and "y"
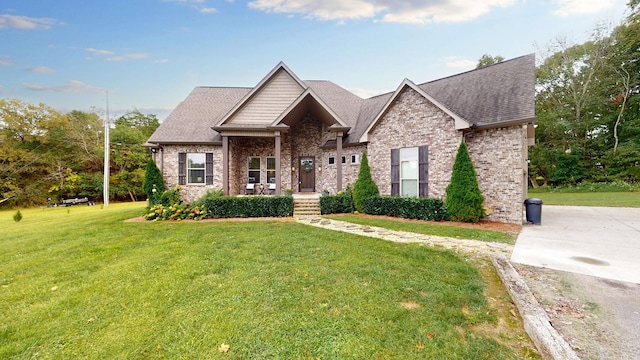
{"x": 251, "y": 187}
{"x": 272, "y": 186}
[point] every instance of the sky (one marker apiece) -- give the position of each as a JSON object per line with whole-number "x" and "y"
{"x": 149, "y": 54}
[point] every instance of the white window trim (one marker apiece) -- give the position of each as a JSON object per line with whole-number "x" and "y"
{"x": 204, "y": 169}
{"x": 408, "y": 160}
{"x": 249, "y": 169}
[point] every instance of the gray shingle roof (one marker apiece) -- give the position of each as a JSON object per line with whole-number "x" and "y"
{"x": 500, "y": 93}
{"x": 192, "y": 119}
{"x": 496, "y": 95}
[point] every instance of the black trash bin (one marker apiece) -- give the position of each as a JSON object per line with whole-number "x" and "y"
{"x": 533, "y": 208}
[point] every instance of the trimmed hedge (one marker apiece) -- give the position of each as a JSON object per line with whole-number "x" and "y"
{"x": 248, "y": 206}
{"x": 336, "y": 204}
{"x": 406, "y": 207}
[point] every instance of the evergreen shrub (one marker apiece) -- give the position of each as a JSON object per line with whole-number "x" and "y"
{"x": 340, "y": 203}
{"x": 248, "y": 206}
{"x": 406, "y": 207}
{"x": 364, "y": 186}
{"x": 153, "y": 179}
{"x": 464, "y": 200}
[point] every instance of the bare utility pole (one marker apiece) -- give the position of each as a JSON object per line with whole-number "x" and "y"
{"x": 105, "y": 187}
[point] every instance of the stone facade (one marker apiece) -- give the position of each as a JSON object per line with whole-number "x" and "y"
{"x": 168, "y": 164}
{"x": 349, "y": 168}
{"x": 499, "y": 155}
{"x": 410, "y": 122}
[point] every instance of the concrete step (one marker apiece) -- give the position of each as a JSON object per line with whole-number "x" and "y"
{"x": 306, "y": 206}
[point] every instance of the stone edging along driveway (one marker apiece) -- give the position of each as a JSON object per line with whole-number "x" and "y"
{"x": 549, "y": 342}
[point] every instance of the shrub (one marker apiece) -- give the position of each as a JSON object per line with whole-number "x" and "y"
{"x": 464, "y": 199}
{"x": 337, "y": 204}
{"x": 170, "y": 207}
{"x": 17, "y": 216}
{"x": 153, "y": 180}
{"x": 364, "y": 186}
{"x": 406, "y": 207}
{"x": 248, "y": 206}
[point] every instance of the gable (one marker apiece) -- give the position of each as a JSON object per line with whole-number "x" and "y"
{"x": 266, "y": 104}
{"x": 405, "y": 86}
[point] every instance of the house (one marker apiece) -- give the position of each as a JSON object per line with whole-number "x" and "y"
{"x": 308, "y": 136}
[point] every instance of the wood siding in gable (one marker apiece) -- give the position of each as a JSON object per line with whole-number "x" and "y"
{"x": 268, "y": 103}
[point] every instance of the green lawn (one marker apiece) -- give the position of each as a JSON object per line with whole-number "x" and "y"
{"x": 81, "y": 283}
{"x": 428, "y": 228}
{"x": 619, "y": 199}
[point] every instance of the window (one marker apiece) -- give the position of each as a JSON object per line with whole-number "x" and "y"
{"x": 409, "y": 172}
{"x": 344, "y": 159}
{"x": 332, "y": 160}
{"x": 253, "y": 173}
{"x": 355, "y": 158}
{"x": 271, "y": 170}
{"x": 195, "y": 168}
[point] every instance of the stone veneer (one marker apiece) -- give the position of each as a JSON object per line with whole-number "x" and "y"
{"x": 498, "y": 155}
{"x": 169, "y": 167}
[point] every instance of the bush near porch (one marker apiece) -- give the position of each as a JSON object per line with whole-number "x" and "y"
{"x": 248, "y": 206}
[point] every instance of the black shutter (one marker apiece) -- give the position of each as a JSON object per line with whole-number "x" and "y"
{"x": 423, "y": 171}
{"x": 209, "y": 169}
{"x": 395, "y": 171}
{"x": 182, "y": 168}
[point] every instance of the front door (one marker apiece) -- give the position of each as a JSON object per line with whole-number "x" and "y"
{"x": 307, "y": 171}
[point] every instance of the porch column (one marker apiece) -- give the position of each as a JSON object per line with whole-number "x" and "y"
{"x": 225, "y": 165}
{"x": 278, "y": 163}
{"x": 339, "y": 161}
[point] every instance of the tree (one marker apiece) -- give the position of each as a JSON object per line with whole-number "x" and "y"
{"x": 487, "y": 60}
{"x": 364, "y": 186}
{"x": 153, "y": 180}
{"x": 464, "y": 199}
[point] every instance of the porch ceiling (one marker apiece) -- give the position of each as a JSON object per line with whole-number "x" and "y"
{"x": 309, "y": 106}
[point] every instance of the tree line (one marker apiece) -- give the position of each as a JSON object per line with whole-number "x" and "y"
{"x": 48, "y": 155}
{"x": 588, "y": 108}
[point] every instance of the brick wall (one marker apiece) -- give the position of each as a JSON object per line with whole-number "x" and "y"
{"x": 169, "y": 166}
{"x": 499, "y": 155}
{"x": 410, "y": 122}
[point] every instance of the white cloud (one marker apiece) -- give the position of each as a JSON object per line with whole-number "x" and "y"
{"x": 365, "y": 93}
{"x": 572, "y": 7}
{"x": 199, "y": 5}
{"x": 320, "y": 9}
{"x": 40, "y": 69}
{"x": 5, "y": 60}
{"x": 458, "y": 63}
{"x": 24, "y": 22}
{"x": 407, "y": 11}
{"x": 99, "y": 52}
{"x": 72, "y": 86}
{"x": 133, "y": 56}
{"x": 161, "y": 61}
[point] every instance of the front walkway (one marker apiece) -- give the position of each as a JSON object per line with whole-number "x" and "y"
{"x": 471, "y": 247}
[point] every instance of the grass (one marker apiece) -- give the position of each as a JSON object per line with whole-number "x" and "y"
{"x": 616, "y": 199}
{"x": 81, "y": 283}
{"x": 428, "y": 228}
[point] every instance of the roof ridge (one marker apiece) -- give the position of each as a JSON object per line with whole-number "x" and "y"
{"x": 478, "y": 69}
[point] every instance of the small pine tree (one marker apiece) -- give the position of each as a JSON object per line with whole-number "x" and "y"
{"x": 153, "y": 179}
{"x": 364, "y": 186}
{"x": 464, "y": 199}
{"x": 17, "y": 216}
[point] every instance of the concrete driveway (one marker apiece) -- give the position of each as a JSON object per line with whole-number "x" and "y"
{"x": 597, "y": 241}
